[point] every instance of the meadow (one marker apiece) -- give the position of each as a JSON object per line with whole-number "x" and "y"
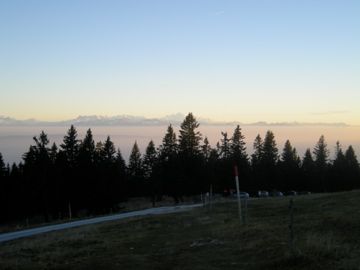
{"x": 326, "y": 236}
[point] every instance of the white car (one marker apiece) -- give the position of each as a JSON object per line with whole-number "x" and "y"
{"x": 243, "y": 195}
{"x": 263, "y": 193}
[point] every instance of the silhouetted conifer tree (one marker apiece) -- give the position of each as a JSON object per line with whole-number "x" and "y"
{"x": 169, "y": 147}
{"x": 169, "y": 175}
{"x": 2, "y": 166}
{"x": 107, "y": 178}
{"x": 70, "y": 147}
{"x": 237, "y": 145}
{"x": 150, "y": 168}
{"x": 53, "y": 153}
{"x": 337, "y": 177}
{"x": 108, "y": 151}
{"x": 289, "y": 168}
{"x": 308, "y": 171}
{"x": 135, "y": 162}
{"x": 353, "y": 169}
{"x": 191, "y": 163}
{"x": 4, "y": 189}
{"x": 226, "y": 164}
{"x": 88, "y": 172}
{"x": 136, "y": 171}
{"x": 87, "y": 150}
{"x": 351, "y": 158}
{"x": 37, "y": 172}
{"x": 206, "y": 149}
{"x": 268, "y": 161}
{"x": 224, "y": 146}
{"x": 189, "y": 139}
{"x": 122, "y": 177}
{"x": 321, "y": 154}
{"x": 257, "y": 156}
{"x": 71, "y": 184}
{"x": 240, "y": 158}
{"x": 270, "y": 151}
{"x": 149, "y": 160}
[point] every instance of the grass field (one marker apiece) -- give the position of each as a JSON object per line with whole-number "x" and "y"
{"x": 326, "y": 230}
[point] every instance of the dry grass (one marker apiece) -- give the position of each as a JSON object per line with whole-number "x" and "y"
{"x": 133, "y": 204}
{"x": 327, "y": 229}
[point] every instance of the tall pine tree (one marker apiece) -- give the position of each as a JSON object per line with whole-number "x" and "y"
{"x": 189, "y": 139}
{"x": 321, "y": 154}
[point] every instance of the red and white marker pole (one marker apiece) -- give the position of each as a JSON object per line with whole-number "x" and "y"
{"x": 238, "y": 190}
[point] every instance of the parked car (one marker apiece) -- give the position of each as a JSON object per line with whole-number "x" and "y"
{"x": 243, "y": 195}
{"x": 263, "y": 193}
{"x": 290, "y": 193}
{"x": 304, "y": 192}
{"x": 276, "y": 193}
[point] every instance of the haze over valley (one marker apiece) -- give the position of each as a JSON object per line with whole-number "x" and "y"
{"x": 17, "y": 135}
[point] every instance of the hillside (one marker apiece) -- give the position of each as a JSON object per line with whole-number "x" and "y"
{"x": 326, "y": 233}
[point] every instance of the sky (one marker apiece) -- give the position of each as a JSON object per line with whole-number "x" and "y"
{"x": 248, "y": 61}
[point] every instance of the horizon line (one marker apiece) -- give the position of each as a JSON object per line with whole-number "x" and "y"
{"x": 133, "y": 120}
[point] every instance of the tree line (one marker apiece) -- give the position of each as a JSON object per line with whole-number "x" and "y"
{"x": 81, "y": 177}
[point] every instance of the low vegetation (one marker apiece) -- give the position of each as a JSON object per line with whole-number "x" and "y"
{"x": 326, "y": 233}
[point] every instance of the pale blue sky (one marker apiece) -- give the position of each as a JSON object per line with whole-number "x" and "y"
{"x": 226, "y": 60}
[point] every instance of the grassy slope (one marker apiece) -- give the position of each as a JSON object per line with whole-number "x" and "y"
{"x": 327, "y": 233}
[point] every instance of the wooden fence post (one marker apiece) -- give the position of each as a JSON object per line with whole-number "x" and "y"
{"x": 291, "y": 226}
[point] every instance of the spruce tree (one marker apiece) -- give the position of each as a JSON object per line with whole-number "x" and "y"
{"x": 89, "y": 173}
{"x": 270, "y": 151}
{"x": 2, "y": 166}
{"x": 308, "y": 161}
{"x": 189, "y": 139}
{"x": 71, "y": 184}
{"x": 289, "y": 166}
{"x": 267, "y": 173}
{"x": 239, "y": 157}
{"x": 289, "y": 156}
{"x": 308, "y": 171}
{"x": 237, "y": 146}
{"x": 70, "y": 146}
{"x": 87, "y": 149}
{"x": 99, "y": 146}
{"x": 351, "y": 158}
{"x": 5, "y": 206}
{"x": 191, "y": 176}
{"x": 337, "y": 177}
{"x": 135, "y": 162}
{"x": 149, "y": 160}
{"x": 120, "y": 163}
{"x": 37, "y": 172}
{"x": 121, "y": 176}
{"x": 108, "y": 151}
{"x": 353, "y": 169}
{"x": 340, "y": 160}
{"x": 169, "y": 146}
{"x": 258, "y": 147}
{"x": 321, "y": 154}
{"x": 168, "y": 165}
{"x": 224, "y": 146}
{"x": 135, "y": 172}
{"x": 53, "y": 153}
{"x": 206, "y": 149}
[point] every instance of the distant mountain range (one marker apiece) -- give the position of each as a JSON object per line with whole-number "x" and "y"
{"x": 129, "y": 120}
